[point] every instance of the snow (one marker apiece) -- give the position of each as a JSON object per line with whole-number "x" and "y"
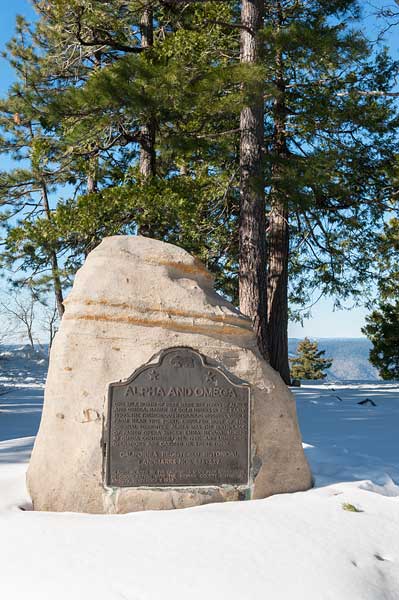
{"x": 339, "y": 541}
{"x": 346, "y": 441}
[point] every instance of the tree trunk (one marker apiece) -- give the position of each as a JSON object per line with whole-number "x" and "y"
{"x": 52, "y": 330}
{"x": 92, "y": 182}
{"x": 30, "y": 337}
{"x": 277, "y": 290}
{"x": 31, "y": 342}
{"x": 147, "y": 144}
{"x": 252, "y": 229}
{"x": 278, "y": 232}
{"x": 53, "y": 259}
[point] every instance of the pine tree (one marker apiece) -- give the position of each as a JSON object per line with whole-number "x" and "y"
{"x": 327, "y": 157}
{"x": 382, "y": 324}
{"x": 382, "y": 329}
{"x": 310, "y": 362}
{"x": 26, "y": 189}
{"x": 96, "y": 100}
{"x": 330, "y": 145}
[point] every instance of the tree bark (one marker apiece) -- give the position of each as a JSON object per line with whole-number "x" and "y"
{"x": 277, "y": 289}
{"x": 147, "y": 131}
{"x": 53, "y": 259}
{"x": 91, "y": 186}
{"x": 252, "y": 228}
{"x": 278, "y": 231}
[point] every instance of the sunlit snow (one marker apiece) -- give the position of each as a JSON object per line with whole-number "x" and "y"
{"x": 339, "y": 541}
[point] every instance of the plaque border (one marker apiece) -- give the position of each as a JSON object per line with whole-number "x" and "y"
{"x": 150, "y": 364}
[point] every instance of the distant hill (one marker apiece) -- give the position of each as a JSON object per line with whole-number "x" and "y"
{"x": 350, "y": 357}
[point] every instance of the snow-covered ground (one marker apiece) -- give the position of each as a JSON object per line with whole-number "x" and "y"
{"x": 339, "y": 541}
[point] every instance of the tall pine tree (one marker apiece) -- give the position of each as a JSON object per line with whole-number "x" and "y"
{"x": 322, "y": 168}
{"x": 330, "y": 143}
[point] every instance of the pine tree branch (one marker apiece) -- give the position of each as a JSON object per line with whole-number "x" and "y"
{"x": 216, "y": 135}
{"x": 108, "y": 40}
{"x": 228, "y": 25}
{"x": 377, "y": 93}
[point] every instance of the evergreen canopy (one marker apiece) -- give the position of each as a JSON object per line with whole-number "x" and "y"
{"x": 382, "y": 329}
{"x": 93, "y": 77}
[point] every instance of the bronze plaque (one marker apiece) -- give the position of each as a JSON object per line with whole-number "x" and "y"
{"x": 180, "y": 422}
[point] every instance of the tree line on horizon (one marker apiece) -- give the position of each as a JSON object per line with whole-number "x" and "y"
{"x": 261, "y": 136}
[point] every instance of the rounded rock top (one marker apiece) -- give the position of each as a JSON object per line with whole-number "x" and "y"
{"x": 150, "y": 283}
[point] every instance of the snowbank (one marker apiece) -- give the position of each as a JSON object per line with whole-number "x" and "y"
{"x": 337, "y": 542}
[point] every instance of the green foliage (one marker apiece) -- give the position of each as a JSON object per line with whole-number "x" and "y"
{"x": 351, "y": 507}
{"x": 76, "y": 112}
{"x": 382, "y": 329}
{"x": 195, "y": 214}
{"x": 85, "y": 87}
{"x": 388, "y": 258}
{"x": 337, "y": 175}
{"x": 310, "y": 362}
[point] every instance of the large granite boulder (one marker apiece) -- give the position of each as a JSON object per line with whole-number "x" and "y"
{"x": 133, "y": 298}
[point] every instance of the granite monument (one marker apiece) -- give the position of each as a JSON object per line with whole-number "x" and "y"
{"x": 157, "y": 396}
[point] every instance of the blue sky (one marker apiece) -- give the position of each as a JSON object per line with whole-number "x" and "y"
{"x": 8, "y": 11}
{"x": 324, "y": 322}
